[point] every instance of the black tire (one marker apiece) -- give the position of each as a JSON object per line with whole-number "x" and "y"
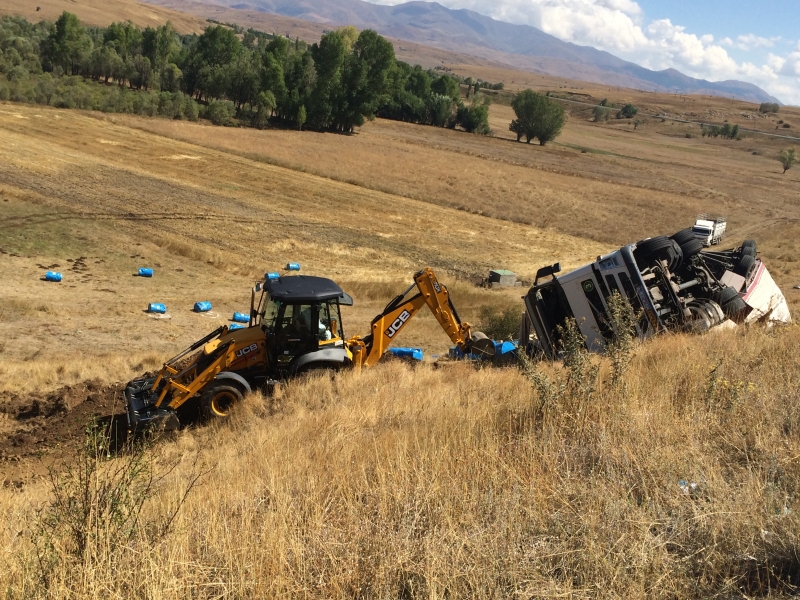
{"x": 715, "y": 312}
{"x": 218, "y": 399}
{"x": 748, "y": 251}
{"x": 659, "y": 248}
{"x": 691, "y": 248}
{"x": 749, "y": 244}
{"x": 683, "y": 236}
{"x": 725, "y": 295}
{"x": 745, "y": 266}
{"x": 734, "y": 307}
{"x": 653, "y": 245}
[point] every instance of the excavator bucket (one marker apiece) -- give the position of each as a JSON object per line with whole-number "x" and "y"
{"x": 481, "y": 345}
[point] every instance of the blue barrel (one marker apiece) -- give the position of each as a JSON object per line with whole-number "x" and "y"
{"x": 52, "y": 276}
{"x": 293, "y": 267}
{"x": 236, "y": 327}
{"x": 240, "y": 318}
{"x": 202, "y": 307}
{"x": 272, "y": 276}
{"x": 502, "y": 348}
{"x": 407, "y": 353}
{"x": 145, "y": 272}
{"x": 156, "y": 308}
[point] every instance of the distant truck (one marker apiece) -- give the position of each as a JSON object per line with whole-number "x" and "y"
{"x": 669, "y": 282}
{"x": 709, "y": 230}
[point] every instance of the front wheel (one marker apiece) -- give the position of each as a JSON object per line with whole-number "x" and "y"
{"x": 218, "y": 399}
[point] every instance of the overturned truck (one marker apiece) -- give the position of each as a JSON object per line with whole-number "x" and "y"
{"x": 671, "y": 283}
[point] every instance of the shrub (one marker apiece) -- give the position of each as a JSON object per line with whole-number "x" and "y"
{"x": 788, "y": 158}
{"x": 221, "y": 112}
{"x": 475, "y": 118}
{"x": 601, "y": 113}
{"x": 627, "y": 112}
{"x": 499, "y": 324}
{"x": 768, "y": 107}
{"x": 191, "y": 111}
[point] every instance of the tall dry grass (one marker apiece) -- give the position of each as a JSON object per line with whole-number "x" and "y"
{"x": 405, "y": 482}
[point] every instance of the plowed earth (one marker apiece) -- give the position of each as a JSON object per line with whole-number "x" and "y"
{"x": 38, "y": 431}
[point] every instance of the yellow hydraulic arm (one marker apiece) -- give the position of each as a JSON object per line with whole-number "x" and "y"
{"x": 386, "y": 326}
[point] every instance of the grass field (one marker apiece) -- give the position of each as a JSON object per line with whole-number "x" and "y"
{"x": 399, "y": 482}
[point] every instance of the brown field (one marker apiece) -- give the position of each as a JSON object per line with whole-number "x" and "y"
{"x": 400, "y": 482}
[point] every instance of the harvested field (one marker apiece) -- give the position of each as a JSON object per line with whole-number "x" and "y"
{"x": 402, "y": 481}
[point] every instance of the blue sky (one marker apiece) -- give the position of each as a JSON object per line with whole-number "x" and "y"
{"x": 716, "y": 40}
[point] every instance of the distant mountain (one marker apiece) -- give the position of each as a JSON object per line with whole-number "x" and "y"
{"x": 466, "y": 31}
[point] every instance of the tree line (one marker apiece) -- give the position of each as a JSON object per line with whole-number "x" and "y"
{"x": 225, "y": 74}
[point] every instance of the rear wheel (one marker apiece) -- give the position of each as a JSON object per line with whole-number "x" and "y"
{"x": 745, "y": 266}
{"x": 725, "y": 295}
{"x": 748, "y": 251}
{"x": 691, "y": 247}
{"x": 218, "y": 399}
{"x": 683, "y": 236}
{"x": 734, "y": 307}
{"x": 749, "y": 244}
{"x": 659, "y": 248}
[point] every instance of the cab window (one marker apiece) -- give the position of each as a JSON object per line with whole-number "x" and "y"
{"x": 330, "y": 322}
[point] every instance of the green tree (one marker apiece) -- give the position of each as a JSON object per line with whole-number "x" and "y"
{"x": 349, "y": 35}
{"x": 537, "y": 116}
{"x": 788, "y": 158}
{"x": 627, "y": 112}
{"x": 445, "y": 85}
{"x": 329, "y": 58}
{"x": 440, "y": 109}
{"x": 475, "y": 118}
{"x": 67, "y": 46}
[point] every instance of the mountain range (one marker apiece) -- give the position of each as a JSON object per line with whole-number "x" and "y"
{"x": 519, "y": 46}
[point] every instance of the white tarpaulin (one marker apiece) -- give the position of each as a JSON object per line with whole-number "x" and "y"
{"x": 765, "y": 299}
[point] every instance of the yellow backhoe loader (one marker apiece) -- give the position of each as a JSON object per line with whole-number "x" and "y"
{"x": 295, "y": 327}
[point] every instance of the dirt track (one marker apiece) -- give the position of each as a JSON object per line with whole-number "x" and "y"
{"x": 40, "y": 430}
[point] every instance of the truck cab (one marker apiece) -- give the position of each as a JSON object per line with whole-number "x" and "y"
{"x": 583, "y": 295}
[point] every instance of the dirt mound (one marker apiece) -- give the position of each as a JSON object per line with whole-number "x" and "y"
{"x": 39, "y": 430}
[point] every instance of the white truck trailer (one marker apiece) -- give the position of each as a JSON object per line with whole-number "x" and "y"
{"x": 709, "y": 230}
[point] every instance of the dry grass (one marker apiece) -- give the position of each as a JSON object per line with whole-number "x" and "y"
{"x": 416, "y": 483}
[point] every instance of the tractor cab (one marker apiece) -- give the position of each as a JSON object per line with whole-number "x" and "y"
{"x": 301, "y": 319}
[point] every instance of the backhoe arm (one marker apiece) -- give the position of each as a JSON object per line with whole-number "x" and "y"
{"x": 385, "y": 327}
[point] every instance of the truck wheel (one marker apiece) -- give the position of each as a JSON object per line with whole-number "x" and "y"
{"x": 749, "y": 244}
{"x": 748, "y": 251}
{"x": 715, "y": 312}
{"x": 683, "y": 236}
{"x": 734, "y": 307}
{"x": 691, "y": 248}
{"x": 217, "y": 400}
{"x": 701, "y": 322}
{"x": 659, "y": 248}
{"x": 745, "y": 266}
{"x": 725, "y": 295}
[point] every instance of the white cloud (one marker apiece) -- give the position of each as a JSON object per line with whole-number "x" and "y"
{"x": 620, "y": 27}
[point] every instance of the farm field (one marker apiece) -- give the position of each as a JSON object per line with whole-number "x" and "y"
{"x": 407, "y": 482}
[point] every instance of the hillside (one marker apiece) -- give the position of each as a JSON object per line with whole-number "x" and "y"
{"x": 469, "y": 32}
{"x": 666, "y": 470}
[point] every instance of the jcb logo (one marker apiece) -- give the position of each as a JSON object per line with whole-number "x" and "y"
{"x": 398, "y": 324}
{"x": 437, "y": 287}
{"x": 245, "y": 351}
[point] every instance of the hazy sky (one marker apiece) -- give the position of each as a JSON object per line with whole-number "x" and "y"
{"x": 716, "y": 40}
